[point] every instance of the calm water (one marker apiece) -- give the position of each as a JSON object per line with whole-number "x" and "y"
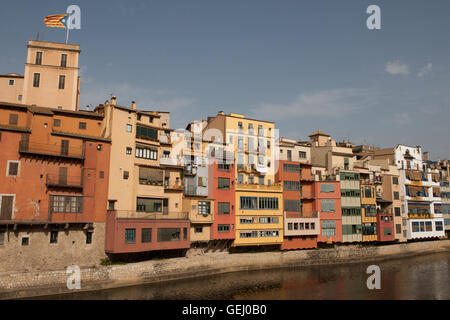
{"x": 424, "y": 277}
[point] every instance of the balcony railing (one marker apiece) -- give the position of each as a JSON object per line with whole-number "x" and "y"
{"x": 259, "y": 187}
{"x": 51, "y": 150}
{"x": 165, "y": 139}
{"x": 173, "y": 186}
{"x": 132, "y": 214}
{"x": 307, "y": 195}
{"x": 169, "y": 162}
{"x": 55, "y": 180}
{"x": 201, "y": 218}
{"x": 420, "y": 215}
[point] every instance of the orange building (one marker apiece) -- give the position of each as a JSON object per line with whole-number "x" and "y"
{"x": 53, "y": 192}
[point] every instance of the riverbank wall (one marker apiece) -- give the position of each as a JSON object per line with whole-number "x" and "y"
{"x": 15, "y": 285}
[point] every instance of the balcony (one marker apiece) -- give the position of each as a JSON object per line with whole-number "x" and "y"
{"x": 60, "y": 151}
{"x": 307, "y": 195}
{"x": 301, "y": 226}
{"x": 201, "y": 218}
{"x": 165, "y": 215}
{"x": 423, "y": 215}
{"x": 59, "y": 181}
{"x": 165, "y": 139}
{"x": 168, "y": 185}
{"x": 169, "y": 162}
{"x": 277, "y": 187}
{"x": 190, "y": 170}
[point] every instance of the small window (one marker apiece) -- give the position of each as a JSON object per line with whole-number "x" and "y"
{"x": 146, "y": 235}
{"x": 198, "y": 229}
{"x": 13, "y": 119}
{"x": 53, "y": 236}
{"x": 396, "y": 196}
{"x": 126, "y": 174}
{"x": 63, "y": 60}
{"x": 82, "y": 125}
{"x": 394, "y": 180}
{"x": 36, "y": 80}
{"x": 62, "y": 82}
{"x": 25, "y": 241}
{"x": 129, "y": 128}
{"x": 102, "y": 174}
{"x": 56, "y": 122}
{"x": 19, "y": 97}
{"x": 139, "y": 116}
{"x": 11, "y": 82}
{"x": 129, "y": 150}
{"x": 111, "y": 204}
{"x": 130, "y": 235}
{"x": 88, "y": 237}
{"x": 38, "y": 60}
{"x": 13, "y": 168}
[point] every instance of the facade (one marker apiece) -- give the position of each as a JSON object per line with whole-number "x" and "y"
{"x": 145, "y": 194}
{"x": 61, "y": 160}
{"x": 421, "y": 191}
{"x": 327, "y": 202}
{"x": 51, "y": 77}
{"x": 258, "y": 200}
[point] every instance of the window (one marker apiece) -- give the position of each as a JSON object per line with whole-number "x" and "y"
{"x": 290, "y": 226}
{"x": 88, "y": 237}
{"x": 248, "y": 234}
{"x": 185, "y": 233}
{"x": 291, "y": 167}
{"x": 53, "y": 236}
{"x": 223, "y": 208}
{"x": 268, "y": 220}
{"x": 292, "y": 205}
{"x": 13, "y": 169}
{"x": 204, "y": 207}
{"x": 223, "y": 228}
{"x": 269, "y": 233}
{"x": 351, "y": 211}
{"x": 102, "y": 174}
{"x": 246, "y": 220}
{"x": 261, "y": 180}
{"x": 111, "y": 204}
{"x": 268, "y": 203}
{"x": 428, "y": 226}
{"x": 327, "y": 205}
{"x": 198, "y": 229}
{"x": 240, "y": 178}
{"x": 129, "y": 128}
{"x": 38, "y": 59}
{"x": 146, "y": 133}
{"x": 387, "y": 231}
{"x": 394, "y": 180}
{"x": 398, "y": 228}
{"x": 126, "y": 175}
{"x": 66, "y": 204}
{"x": 13, "y": 119}
{"x": 149, "y": 205}
{"x": 82, "y": 125}
{"x": 327, "y": 187}
{"x": 146, "y": 153}
{"x": 62, "y": 82}
{"x": 370, "y": 210}
{"x": 25, "y": 241}
{"x": 130, "y": 235}
{"x": 396, "y": 196}
{"x": 224, "y": 183}
{"x": 438, "y": 225}
{"x": 292, "y": 185}
{"x": 56, "y": 122}
{"x": 19, "y": 97}
{"x": 248, "y": 203}
{"x": 397, "y": 212}
{"x": 129, "y": 150}
{"x": 36, "y": 79}
{"x": 169, "y": 234}
{"x": 63, "y": 60}
{"x": 146, "y": 235}
{"x": 346, "y": 166}
{"x": 11, "y": 82}
{"x": 350, "y": 193}
{"x": 328, "y": 228}
{"x": 367, "y": 192}
{"x": 302, "y": 154}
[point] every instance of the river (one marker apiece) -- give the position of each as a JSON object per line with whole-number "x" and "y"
{"x": 420, "y": 277}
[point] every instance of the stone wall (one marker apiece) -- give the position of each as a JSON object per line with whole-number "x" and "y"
{"x": 40, "y": 254}
{"x": 15, "y": 285}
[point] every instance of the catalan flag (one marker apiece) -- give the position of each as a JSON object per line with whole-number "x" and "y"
{"x": 56, "y": 21}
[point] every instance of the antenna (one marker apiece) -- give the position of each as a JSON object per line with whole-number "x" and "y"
{"x": 37, "y": 36}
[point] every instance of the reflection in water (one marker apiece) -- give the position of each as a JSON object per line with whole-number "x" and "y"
{"x": 423, "y": 277}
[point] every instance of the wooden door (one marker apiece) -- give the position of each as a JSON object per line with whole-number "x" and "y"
{"x": 64, "y": 147}
{"x": 7, "y": 207}
{"x": 62, "y": 179}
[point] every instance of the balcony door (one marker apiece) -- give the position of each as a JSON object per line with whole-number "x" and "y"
{"x": 7, "y": 207}
{"x": 62, "y": 177}
{"x": 64, "y": 147}
{"x": 289, "y": 155}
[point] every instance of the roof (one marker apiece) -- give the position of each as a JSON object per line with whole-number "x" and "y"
{"x": 319, "y": 133}
{"x": 11, "y": 75}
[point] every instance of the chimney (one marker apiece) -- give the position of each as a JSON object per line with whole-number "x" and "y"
{"x": 426, "y": 156}
{"x": 113, "y": 100}
{"x": 221, "y": 112}
{"x": 133, "y": 105}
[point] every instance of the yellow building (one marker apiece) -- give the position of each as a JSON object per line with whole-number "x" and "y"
{"x": 368, "y": 212}
{"x": 259, "y": 201}
{"x": 51, "y": 77}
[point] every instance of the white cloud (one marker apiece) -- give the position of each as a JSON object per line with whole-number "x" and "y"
{"x": 395, "y": 67}
{"x": 425, "y": 70}
{"x": 326, "y": 103}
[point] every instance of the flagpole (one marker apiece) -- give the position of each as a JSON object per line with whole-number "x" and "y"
{"x": 67, "y": 34}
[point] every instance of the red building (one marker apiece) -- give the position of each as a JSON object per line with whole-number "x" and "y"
{"x": 53, "y": 193}
{"x": 385, "y": 226}
{"x": 327, "y": 202}
{"x": 222, "y": 188}
{"x": 301, "y": 221}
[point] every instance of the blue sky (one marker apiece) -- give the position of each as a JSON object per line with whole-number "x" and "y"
{"x": 307, "y": 65}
